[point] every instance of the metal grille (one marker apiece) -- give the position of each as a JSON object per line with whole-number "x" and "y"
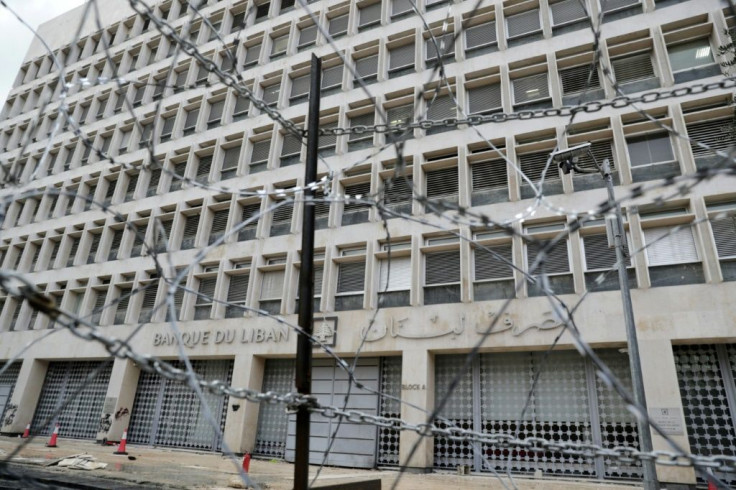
{"x": 458, "y": 411}
{"x": 80, "y": 418}
{"x": 388, "y": 438}
{"x": 273, "y": 420}
{"x": 705, "y": 374}
{"x": 169, "y": 413}
{"x": 7, "y": 385}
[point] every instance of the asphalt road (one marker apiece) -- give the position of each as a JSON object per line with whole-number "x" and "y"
{"x": 24, "y": 477}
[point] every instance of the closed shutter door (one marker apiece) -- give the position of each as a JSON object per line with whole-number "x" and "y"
{"x": 719, "y": 135}
{"x": 351, "y": 277}
{"x": 370, "y": 14}
{"x": 523, "y": 23}
{"x": 442, "y": 268}
{"x": 441, "y": 108}
{"x": 338, "y": 25}
{"x": 484, "y": 99}
{"x": 556, "y": 261}
{"x": 395, "y": 274}
{"x": 230, "y": 160}
{"x": 252, "y": 54}
{"x": 278, "y": 377}
{"x": 307, "y": 35}
{"x": 272, "y": 285}
{"x": 480, "y": 35}
{"x": 632, "y": 68}
{"x": 292, "y": 145}
{"x": 724, "y": 233}
{"x": 216, "y": 111}
{"x": 665, "y": 246}
{"x": 299, "y": 86}
{"x": 531, "y": 88}
{"x": 357, "y": 191}
{"x": 399, "y": 7}
{"x": 493, "y": 263}
{"x": 579, "y": 79}
{"x": 367, "y": 67}
{"x": 489, "y": 175}
{"x": 332, "y": 77}
{"x": 567, "y": 11}
{"x": 401, "y": 57}
{"x": 260, "y": 151}
{"x": 597, "y": 254}
{"x": 397, "y": 191}
{"x": 442, "y": 184}
{"x": 532, "y": 164}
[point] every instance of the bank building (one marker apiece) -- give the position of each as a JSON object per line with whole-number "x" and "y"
{"x": 441, "y": 291}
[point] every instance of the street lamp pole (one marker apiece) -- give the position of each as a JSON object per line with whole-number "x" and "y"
{"x": 568, "y": 162}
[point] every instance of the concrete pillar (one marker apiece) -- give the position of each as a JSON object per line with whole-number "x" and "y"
{"x": 662, "y": 391}
{"x": 417, "y": 382}
{"x": 119, "y": 400}
{"x": 242, "y": 416}
{"x": 19, "y": 412}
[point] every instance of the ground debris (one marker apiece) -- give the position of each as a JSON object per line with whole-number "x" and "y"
{"x": 78, "y": 462}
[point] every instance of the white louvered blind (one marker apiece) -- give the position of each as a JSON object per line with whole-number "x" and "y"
{"x": 260, "y": 151}
{"x": 556, "y": 261}
{"x": 401, "y": 57}
{"x": 531, "y": 88}
{"x": 597, "y": 254}
{"x": 481, "y": 35}
{"x": 442, "y": 268}
{"x": 719, "y": 135}
{"x": 484, "y": 99}
{"x": 494, "y": 263}
{"x": 351, "y": 277}
{"x": 149, "y": 297}
{"x": 250, "y": 212}
{"x": 238, "y": 289}
{"x": 440, "y": 108}
{"x": 665, "y": 246}
{"x": 489, "y": 175}
{"x": 370, "y": 14}
{"x": 395, "y": 275}
{"x": 307, "y": 35}
{"x": 272, "y": 285}
{"x": 632, "y": 68}
{"x": 601, "y": 150}
{"x": 299, "y": 86}
{"x": 524, "y": 23}
{"x": 442, "y": 184}
{"x": 579, "y": 78}
{"x": 318, "y": 277}
{"x": 567, "y": 11}
{"x": 724, "y": 234}
{"x": 282, "y": 214}
{"x": 190, "y": 227}
{"x": 338, "y": 25}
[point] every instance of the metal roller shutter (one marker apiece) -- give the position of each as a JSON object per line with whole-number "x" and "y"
{"x": 271, "y": 93}
{"x": 362, "y": 189}
{"x": 370, "y": 15}
{"x": 489, "y": 175}
{"x": 291, "y": 146}
{"x": 389, "y": 406}
{"x": 597, "y": 254}
{"x": 611, "y": 5}
{"x": 252, "y": 54}
{"x": 441, "y": 108}
{"x": 367, "y": 67}
{"x": 533, "y": 164}
{"x": 445, "y": 44}
{"x": 216, "y": 110}
{"x": 397, "y": 192}
{"x": 7, "y": 384}
{"x": 400, "y": 7}
{"x": 299, "y": 86}
{"x": 338, "y": 25}
{"x": 260, "y": 152}
{"x": 203, "y": 168}
{"x": 307, "y": 36}
{"x": 230, "y": 159}
{"x": 332, "y": 77}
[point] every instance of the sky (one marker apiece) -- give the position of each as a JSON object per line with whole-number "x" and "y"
{"x": 15, "y": 38}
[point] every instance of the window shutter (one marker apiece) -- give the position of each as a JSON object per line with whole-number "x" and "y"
{"x": 567, "y": 11}
{"x": 362, "y": 189}
{"x": 92, "y": 249}
{"x": 632, "y": 68}
{"x": 282, "y": 214}
{"x": 238, "y": 289}
{"x": 523, "y": 23}
{"x": 203, "y": 169}
{"x": 231, "y": 157}
{"x": 400, "y": 115}
{"x": 260, "y": 151}
{"x": 395, "y": 275}
{"x": 139, "y": 93}
{"x": 724, "y": 234}
{"x": 252, "y": 54}
{"x": 398, "y": 191}
{"x": 351, "y": 277}
{"x": 481, "y": 35}
{"x": 338, "y": 25}
{"x": 117, "y": 239}
{"x": 292, "y": 145}
{"x": 579, "y": 78}
{"x": 676, "y": 248}
{"x": 442, "y": 184}
{"x": 367, "y": 67}
{"x": 332, "y": 77}
{"x": 531, "y": 88}
{"x": 155, "y": 178}
{"x": 206, "y": 288}
{"x": 361, "y": 120}
{"x": 611, "y": 5}
{"x": 241, "y": 105}
{"x": 251, "y": 211}
{"x": 132, "y": 183}
{"x": 321, "y": 206}
{"x": 532, "y": 165}
{"x": 307, "y": 35}
{"x": 319, "y": 272}
{"x": 271, "y": 93}
{"x": 101, "y": 296}
{"x": 441, "y": 108}
{"x": 401, "y": 56}
{"x": 191, "y": 119}
{"x": 122, "y": 307}
{"x": 484, "y": 99}
{"x": 719, "y": 135}
{"x": 370, "y": 14}
{"x": 556, "y": 261}
{"x": 219, "y": 221}
{"x": 601, "y": 150}
{"x": 190, "y": 231}
{"x": 445, "y": 44}
{"x": 598, "y": 255}
{"x": 328, "y": 140}
{"x": 489, "y": 266}
{"x": 216, "y": 110}
{"x": 168, "y": 126}
{"x": 272, "y": 286}
{"x": 489, "y": 175}
{"x": 299, "y": 86}
{"x": 400, "y": 6}
{"x": 149, "y": 297}
{"x": 181, "y": 78}
{"x": 442, "y": 268}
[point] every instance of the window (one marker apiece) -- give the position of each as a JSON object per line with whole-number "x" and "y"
{"x": 485, "y": 99}
{"x": 99, "y": 305}
{"x": 271, "y": 292}
{"x": 600, "y": 261}
{"x": 489, "y": 181}
{"x": 397, "y": 194}
{"x": 149, "y": 301}
{"x": 179, "y": 174}
{"x": 93, "y": 247}
{"x": 651, "y": 157}
{"x": 718, "y": 134}
{"x": 444, "y": 44}
{"x": 159, "y": 87}
{"x": 140, "y": 92}
{"x": 191, "y": 223}
{"x": 205, "y": 298}
{"x": 242, "y": 104}
{"x": 281, "y": 219}
{"x": 291, "y": 149}
{"x": 692, "y": 60}
{"x": 366, "y": 70}
{"x": 354, "y": 212}
{"x": 531, "y": 92}
{"x": 399, "y": 115}
{"x": 236, "y": 296}
{"x": 146, "y": 132}
{"x": 394, "y": 276}
{"x": 299, "y": 89}
{"x": 252, "y": 55}
{"x": 401, "y": 60}
{"x": 442, "y": 186}
{"x": 556, "y": 263}
{"x": 580, "y": 84}
{"x": 493, "y": 271}
{"x": 400, "y": 8}
{"x": 723, "y": 225}
{"x": 271, "y": 94}
{"x": 568, "y": 15}
{"x": 601, "y": 150}
{"x": 321, "y": 210}
{"x": 369, "y": 16}
{"x": 357, "y": 141}
{"x": 190, "y": 122}
{"x": 615, "y": 6}
{"x": 121, "y": 308}
{"x": 533, "y": 165}
{"x": 327, "y": 141}
{"x": 231, "y": 157}
{"x": 523, "y": 27}
{"x": 130, "y": 189}
{"x": 278, "y": 48}
{"x": 338, "y": 26}
{"x": 317, "y": 280}
{"x": 331, "y": 80}
{"x": 203, "y": 169}
{"x": 442, "y": 277}
{"x": 634, "y": 73}
{"x": 262, "y": 11}
{"x": 238, "y": 22}
{"x": 219, "y": 225}
{"x": 350, "y": 284}
{"x": 109, "y": 192}
{"x": 259, "y": 155}
{"x": 89, "y": 201}
{"x": 307, "y": 37}
{"x": 215, "y": 117}
{"x": 153, "y": 182}
{"x": 481, "y": 39}
{"x": 438, "y": 109}
{"x": 115, "y": 242}
{"x": 167, "y": 128}
{"x": 250, "y": 214}
{"x": 287, "y": 5}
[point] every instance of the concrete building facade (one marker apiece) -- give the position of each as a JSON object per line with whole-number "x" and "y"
{"x": 438, "y": 292}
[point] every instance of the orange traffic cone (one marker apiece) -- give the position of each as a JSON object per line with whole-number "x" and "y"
{"x": 246, "y": 462}
{"x": 27, "y": 432}
{"x": 121, "y": 447}
{"x": 54, "y": 437}
{"x": 711, "y": 483}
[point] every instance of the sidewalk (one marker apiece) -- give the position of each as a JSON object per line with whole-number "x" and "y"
{"x": 171, "y": 468}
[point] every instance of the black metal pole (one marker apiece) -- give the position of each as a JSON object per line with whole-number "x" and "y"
{"x": 303, "y": 377}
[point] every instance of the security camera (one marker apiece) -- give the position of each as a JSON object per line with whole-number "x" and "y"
{"x": 571, "y": 153}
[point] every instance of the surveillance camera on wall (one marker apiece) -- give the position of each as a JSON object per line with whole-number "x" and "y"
{"x": 566, "y": 159}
